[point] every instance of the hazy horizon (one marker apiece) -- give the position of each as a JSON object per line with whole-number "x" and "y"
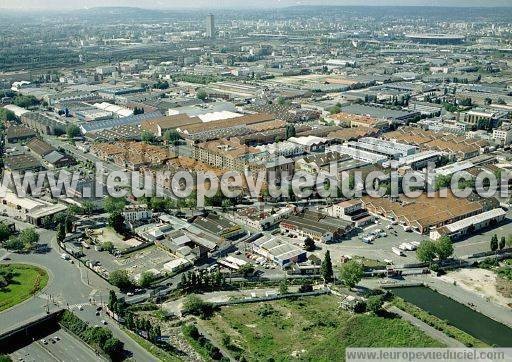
{"x": 223, "y": 4}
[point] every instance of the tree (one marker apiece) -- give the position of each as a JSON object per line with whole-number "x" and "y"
{"x": 426, "y": 252}
{"x": 6, "y": 115}
{"x": 73, "y": 131}
{"x": 108, "y": 246}
{"x": 306, "y": 287}
{"x": 335, "y": 109}
{"x": 509, "y": 241}
{"x": 201, "y": 95}
{"x": 29, "y": 237}
{"x": 444, "y": 248}
{"x": 147, "y": 137}
{"x": 161, "y": 85}
{"x": 137, "y": 111}
{"x": 289, "y": 131}
{"x": 87, "y": 207}
{"x": 112, "y": 300}
{"x": 351, "y": 273}
{"x": 146, "y": 279}
{"x": 503, "y": 242}
{"x": 120, "y": 279}
{"x": 25, "y": 101}
{"x": 309, "y": 244}
{"x": 113, "y": 347}
{"x": 68, "y": 223}
{"x": 283, "y": 287}
{"x": 14, "y": 244}
{"x": 247, "y": 270}
{"x": 494, "y": 242}
{"x": 112, "y": 204}
{"x": 4, "y": 232}
{"x": 171, "y": 136}
{"x": 374, "y": 303}
{"x": 196, "y": 306}
{"x": 61, "y": 232}
{"x": 326, "y": 268}
{"x": 116, "y": 221}
{"x": 98, "y": 335}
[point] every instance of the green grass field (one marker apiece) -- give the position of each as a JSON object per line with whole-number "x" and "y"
{"x": 311, "y": 328}
{"x": 27, "y": 281}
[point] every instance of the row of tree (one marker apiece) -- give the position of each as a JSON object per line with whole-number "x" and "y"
{"x": 201, "y": 280}
{"x": 141, "y": 326}
{"x": 501, "y": 244}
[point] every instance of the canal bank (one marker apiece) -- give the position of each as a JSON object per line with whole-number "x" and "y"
{"x": 463, "y": 296}
{"x": 457, "y": 314}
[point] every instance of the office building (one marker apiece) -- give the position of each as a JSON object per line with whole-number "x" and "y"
{"x": 210, "y": 26}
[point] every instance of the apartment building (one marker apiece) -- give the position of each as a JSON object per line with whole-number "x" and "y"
{"x": 227, "y": 153}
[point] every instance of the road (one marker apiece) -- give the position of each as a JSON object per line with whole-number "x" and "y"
{"x": 70, "y": 286}
{"x": 68, "y": 348}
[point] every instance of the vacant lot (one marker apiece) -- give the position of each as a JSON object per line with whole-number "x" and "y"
{"x": 26, "y": 281}
{"x": 311, "y": 328}
{"x": 483, "y": 282}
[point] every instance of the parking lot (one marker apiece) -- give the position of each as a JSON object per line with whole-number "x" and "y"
{"x": 58, "y": 346}
{"x": 136, "y": 262}
{"x": 380, "y": 248}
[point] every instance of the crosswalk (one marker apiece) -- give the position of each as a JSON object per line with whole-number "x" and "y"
{"x": 78, "y": 306}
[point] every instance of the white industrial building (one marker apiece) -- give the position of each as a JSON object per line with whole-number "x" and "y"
{"x": 18, "y": 111}
{"x": 278, "y": 251}
{"x": 118, "y": 110}
{"x": 468, "y": 225}
{"x": 310, "y": 143}
{"x": 390, "y": 149}
{"x": 285, "y": 149}
{"x": 358, "y": 154}
{"x": 26, "y": 208}
{"x": 416, "y": 161}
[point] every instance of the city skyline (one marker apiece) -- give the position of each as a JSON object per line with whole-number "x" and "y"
{"x": 223, "y": 4}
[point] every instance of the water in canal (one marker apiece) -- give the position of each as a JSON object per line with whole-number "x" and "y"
{"x": 458, "y": 315}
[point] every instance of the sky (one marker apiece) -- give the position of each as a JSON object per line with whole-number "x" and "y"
{"x": 181, "y": 4}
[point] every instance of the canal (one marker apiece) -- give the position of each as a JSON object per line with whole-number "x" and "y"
{"x": 457, "y": 314}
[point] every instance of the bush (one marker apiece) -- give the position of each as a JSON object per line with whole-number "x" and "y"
{"x": 196, "y": 306}
{"x": 374, "y": 303}
{"x": 360, "y": 307}
{"x": 305, "y": 288}
{"x": 191, "y": 331}
{"x": 202, "y": 345}
{"x": 120, "y": 279}
{"x": 114, "y": 348}
{"x": 488, "y": 263}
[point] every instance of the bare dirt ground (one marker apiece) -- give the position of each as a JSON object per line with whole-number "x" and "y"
{"x": 480, "y": 281}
